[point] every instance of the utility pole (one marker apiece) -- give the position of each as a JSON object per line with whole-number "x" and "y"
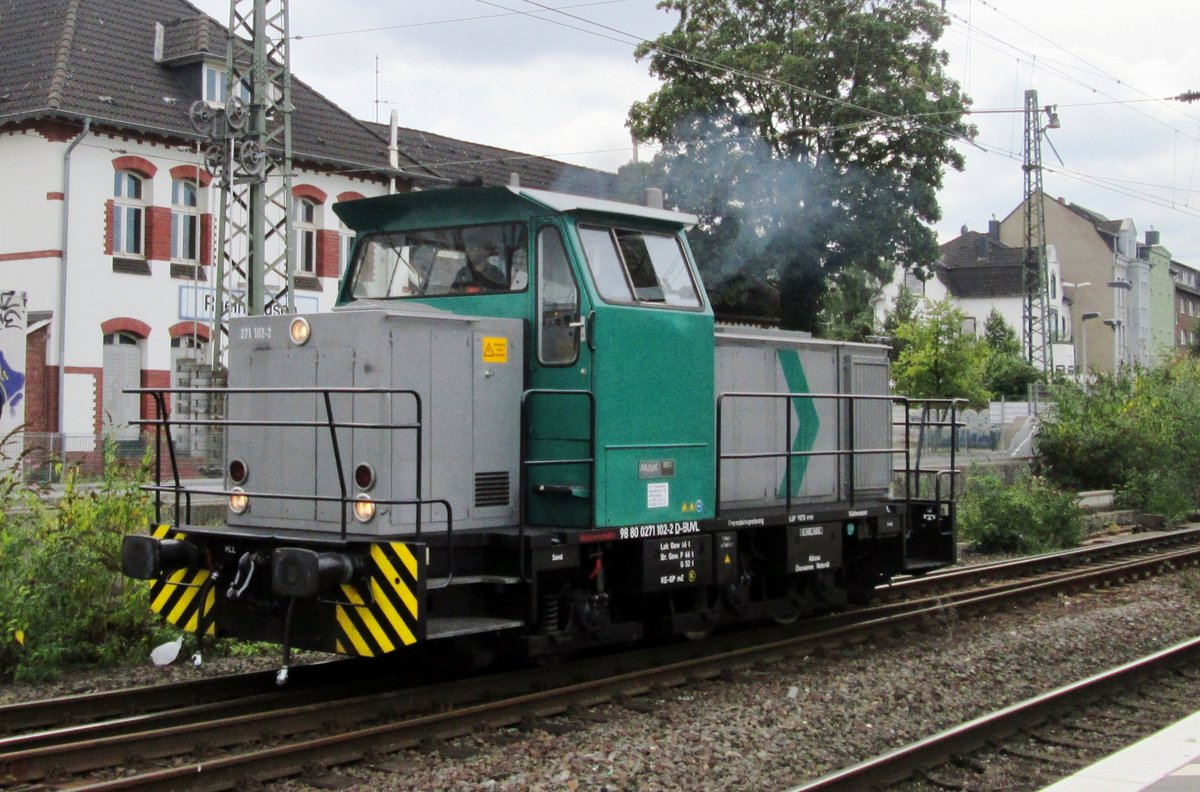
{"x": 250, "y": 154}
{"x": 1038, "y": 349}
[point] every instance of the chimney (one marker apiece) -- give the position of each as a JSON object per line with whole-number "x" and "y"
{"x": 654, "y": 198}
{"x": 994, "y": 229}
{"x": 1153, "y": 238}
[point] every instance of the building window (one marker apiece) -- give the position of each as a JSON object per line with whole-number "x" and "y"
{"x": 128, "y": 214}
{"x": 185, "y": 221}
{"x": 1053, "y": 286}
{"x": 913, "y": 284}
{"x": 304, "y": 220}
{"x": 215, "y": 89}
{"x": 345, "y": 246}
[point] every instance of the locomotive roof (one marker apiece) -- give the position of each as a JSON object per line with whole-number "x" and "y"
{"x": 487, "y": 204}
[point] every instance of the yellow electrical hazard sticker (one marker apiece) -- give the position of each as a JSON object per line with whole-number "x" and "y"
{"x": 495, "y": 349}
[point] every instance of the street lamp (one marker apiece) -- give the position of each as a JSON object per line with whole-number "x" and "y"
{"x": 1118, "y": 350}
{"x": 1083, "y": 320}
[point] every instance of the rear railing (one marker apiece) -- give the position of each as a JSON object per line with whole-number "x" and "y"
{"x": 169, "y": 484}
{"x": 912, "y": 471}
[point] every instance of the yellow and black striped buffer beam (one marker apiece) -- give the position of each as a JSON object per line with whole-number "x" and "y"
{"x": 386, "y": 611}
{"x": 183, "y": 596}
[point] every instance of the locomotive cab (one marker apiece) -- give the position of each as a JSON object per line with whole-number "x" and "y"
{"x": 618, "y": 337}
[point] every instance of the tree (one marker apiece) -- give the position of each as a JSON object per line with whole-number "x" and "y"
{"x": 939, "y": 360}
{"x": 904, "y": 311}
{"x": 810, "y": 136}
{"x": 1005, "y": 371}
{"x": 847, "y": 313}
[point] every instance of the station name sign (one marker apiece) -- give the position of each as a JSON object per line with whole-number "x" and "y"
{"x": 197, "y": 303}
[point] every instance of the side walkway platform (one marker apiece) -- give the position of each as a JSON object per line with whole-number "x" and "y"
{"x": 1167, "y": 761}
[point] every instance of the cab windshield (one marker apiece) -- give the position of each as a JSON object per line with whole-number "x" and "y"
{"x": 442, "y": 261}
{"x": 639, "y": 267}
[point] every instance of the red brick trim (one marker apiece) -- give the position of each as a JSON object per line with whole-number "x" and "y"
{"x": 158, "y": 233}
{"x": 182, "y": 329}
{"x": 132, "y": 162}
{"x": 154, "y": 378}
{"x": 125, "y": 324}
{"x": 56, "y": 196}
{"x": 189, "y": 173}
{"x": 206, "y": 239}
{"x": 109, "y": 209}
{"x": 57, "y": 131}
{"x": 327, "y": 254}
{"x": 350, "y": 195}
{"x": 30, "y": 254}
{"x": 310, "y": 192}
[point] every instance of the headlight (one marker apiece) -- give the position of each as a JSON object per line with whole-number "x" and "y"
{"x": 364, "y": 508}
{"x": 238, "y": 471}
{"x": 239, "y": 501}
{"x": 300, "y": 331}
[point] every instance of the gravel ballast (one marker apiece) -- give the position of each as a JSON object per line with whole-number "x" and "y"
{"x": 773, "y": 727}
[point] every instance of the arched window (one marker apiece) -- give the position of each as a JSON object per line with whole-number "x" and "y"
{"x": 185, "y": 221}
{"x": 1053, "y": 286}
{"x": 129, "y": 214}
{"x": 304, "y": 221}
{"x": 122, "y": 369}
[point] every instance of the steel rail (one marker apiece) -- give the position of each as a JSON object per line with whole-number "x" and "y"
{"x": 20, "y": 717}
{"x": 282, "y": 760}
{"x": 898, "y": 765}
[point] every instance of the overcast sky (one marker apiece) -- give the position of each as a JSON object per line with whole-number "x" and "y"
{"x": 506, "y": 73}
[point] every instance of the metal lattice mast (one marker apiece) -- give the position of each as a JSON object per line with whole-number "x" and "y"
{"x": 1038, "y": 350}
{"x": 250, "y": 153}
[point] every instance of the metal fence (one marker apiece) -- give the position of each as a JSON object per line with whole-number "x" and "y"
{"x": 45, "y": 457}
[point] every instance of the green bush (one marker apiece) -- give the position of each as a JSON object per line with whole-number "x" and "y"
{"x": 63, "y": 600}
{"x": 1028, "y": 516}
{"x": 1134, "y": 432}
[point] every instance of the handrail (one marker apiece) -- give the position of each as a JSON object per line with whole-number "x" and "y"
{"x": 163, "y": 423}
{"x": 853, "y": 453}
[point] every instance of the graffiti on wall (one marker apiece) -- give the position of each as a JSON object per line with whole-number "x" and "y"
{"x": 12, "y": 360}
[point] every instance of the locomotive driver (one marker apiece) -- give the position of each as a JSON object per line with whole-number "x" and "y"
{"x": 482, "y": 271}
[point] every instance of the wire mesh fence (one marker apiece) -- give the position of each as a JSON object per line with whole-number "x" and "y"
{"x": 45, "y": 457}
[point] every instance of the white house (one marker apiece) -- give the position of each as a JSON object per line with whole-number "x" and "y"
{"x": 108, "y": 220}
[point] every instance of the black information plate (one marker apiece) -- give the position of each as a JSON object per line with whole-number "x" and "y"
{"x": 814, "y": 548}
{"x": 674, "y": 563}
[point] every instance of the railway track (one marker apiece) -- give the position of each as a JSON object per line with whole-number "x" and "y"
{"x": 215, "y": 745}
{"x": 1043, "y": 739}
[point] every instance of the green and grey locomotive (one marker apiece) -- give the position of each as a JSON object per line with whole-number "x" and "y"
{"x": 522, "y": 423}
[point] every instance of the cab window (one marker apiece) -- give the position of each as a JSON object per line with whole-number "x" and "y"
{"x": 440, "y": 262}
{"x": 558, "y": 301}
{"x": 631, "y": 266}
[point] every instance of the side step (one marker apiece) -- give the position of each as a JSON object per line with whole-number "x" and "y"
{"x": 455, "y": 626}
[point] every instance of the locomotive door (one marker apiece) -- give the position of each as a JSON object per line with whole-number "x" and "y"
{"x": 559, "y": 410}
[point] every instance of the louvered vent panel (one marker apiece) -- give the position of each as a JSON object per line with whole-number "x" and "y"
{"x": 491, "y": 489}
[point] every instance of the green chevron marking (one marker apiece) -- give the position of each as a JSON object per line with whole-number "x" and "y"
{"x": 806, "y": 414}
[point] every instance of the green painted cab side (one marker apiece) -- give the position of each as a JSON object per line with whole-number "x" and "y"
{"x": 649, "y": 369}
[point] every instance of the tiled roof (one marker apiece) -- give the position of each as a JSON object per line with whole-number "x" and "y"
{"x": 70, "y": 59}
{"x": 460, "y": 160}
{"x": 978, "y": 265}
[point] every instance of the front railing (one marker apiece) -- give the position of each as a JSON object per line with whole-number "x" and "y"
{"x": 168, "y": 482}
